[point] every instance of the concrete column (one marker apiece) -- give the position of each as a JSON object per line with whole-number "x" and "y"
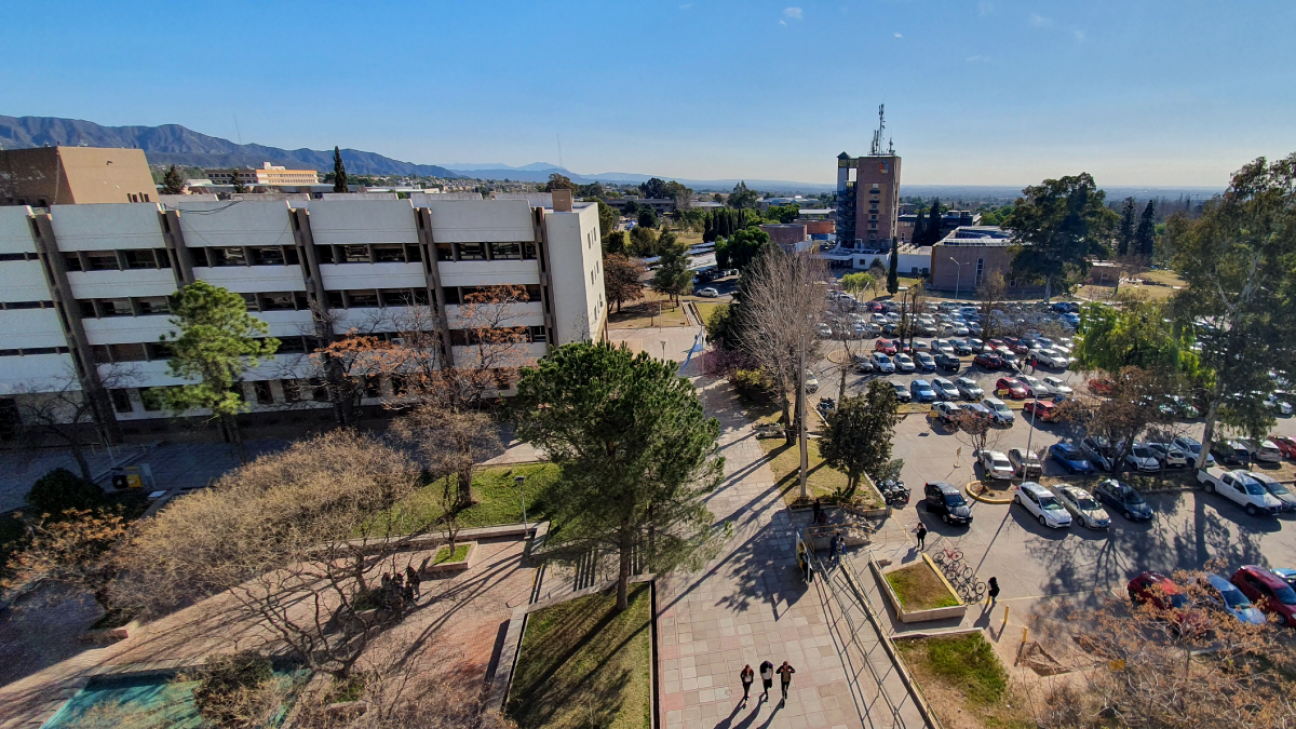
{"x": 432, "y": 271}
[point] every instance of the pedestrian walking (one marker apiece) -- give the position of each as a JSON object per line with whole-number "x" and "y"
{"x": 920, "y": 531}
{"x": 412, "y": 578}
{"x": 747, "y": 676}
{"x": 767, "y": 678}
{"x": 785, "y": 671}
{"x": 838, "y": 546}
{"x": 818, "y": 509}
{"x": 408, "y": 593}
{"x": 994, "y": 590}
{"x": 832, "y": 548}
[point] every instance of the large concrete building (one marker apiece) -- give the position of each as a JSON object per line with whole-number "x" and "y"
{"x": 868, "y": 196}
{"x": 45, "y": 176}
{"x": 267, "y": 175}
{"x": 968, "y": 255}
{"x": 83, "y": 287}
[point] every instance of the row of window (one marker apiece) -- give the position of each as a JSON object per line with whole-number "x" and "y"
{"x": 218, "y": 257}
{"x": 464, "y": 294}
{"x": 19, "y": 257}
{"x": 502, "y": 335}
{"x": 524, "y": 251}
{"x": 32, "y": 350}
{"x": 16, "y": 305}
{"x": 370, "y": 253}
{"x": 124, "y": 306}
{"x": 377, "y": 298}
{"x": 124, "y": 260}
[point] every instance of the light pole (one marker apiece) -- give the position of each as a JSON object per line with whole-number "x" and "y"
{"x": 801, "y": 416}
{"x": 958, "y": 278}
{"x": 521, "y": 484}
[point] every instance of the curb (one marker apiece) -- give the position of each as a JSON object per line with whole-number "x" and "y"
{"x": 983, "y": 499}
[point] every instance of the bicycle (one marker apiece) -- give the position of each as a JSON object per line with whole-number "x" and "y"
{"x": 946, "y": 553}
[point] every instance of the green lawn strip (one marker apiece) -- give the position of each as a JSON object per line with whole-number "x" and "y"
{"x": 443, "y": 554}
{"x": 584, "y": 665}
{"x": 821, "y": 480}
{"x": 920, "y": 588}
{"x": 498, "y": 500}
{"x": 963, "y": 669}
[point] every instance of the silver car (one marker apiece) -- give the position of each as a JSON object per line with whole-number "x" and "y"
{"x": 1083, "y": 506}
{"x": 969, "y": 389}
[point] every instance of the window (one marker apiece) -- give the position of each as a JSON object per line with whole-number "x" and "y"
{"x": 158, "y": 350}
{"x": 121, "y": 401}
{"x": 115, "y": 307}
{"x": 413, "y": 253}
{"x": 529, "y": 251}
{"x": 389, "y": 253}
{"x": 373, "y": 386}
{"x": 472, "y": 251}
{"x": 231, "y": 256}
{"x": 264, "y": 395}
{"x": 266, "y": 256}
{"x": 250, "y": 300}
{"x": 444, "y": 252}
{"x": 290, "y": 256}
{"x": 102, "y": 261}
{"x": 153, "y": 305}
{"x": 324, "y": 254}
{"x": 17, "y": 256}
{"x": 362, "y": 299}
{"x": 291, "y": 345}
{"x": 451, "y": 294}
{"x": 73, "y": 261}
{"x": 533, "y": 292}
{"x": 128, "y": 352}
{"x": 335, "y": 300}
{"x": 538, "y": 334}
{"x": 277, "y": 302}
{"x": 87, "y": 308}
{"x": 354, "y": 254}
{"x": 506, "y": 251}
{"x": 292, "y": 390}
{"x": 100, "y": 354}
{"x": 151, "y": 397}
{"x": 11, "y": 305}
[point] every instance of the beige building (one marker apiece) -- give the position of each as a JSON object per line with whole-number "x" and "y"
{"x": 267, "y": 174}
{"x": 45, "y": 176}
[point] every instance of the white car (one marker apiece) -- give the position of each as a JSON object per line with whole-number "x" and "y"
{"x": 811, "y": 382}
{"x": 968, "y": 388}
{"x": 944, "y": 346}
{"x": 945, "y": 389}
{"x": 1044, "y": 505}
{"x": 1274, "y": 402}
{"x": 1058, "y": 386}
{"x": 883, "y": 363}
{"x": 823, "y": 330}
{"x": 708, "y": 293}
{"x": 1034, "y": 387}
{"x": 999, "y": 412}
{"x": 904, "y": 362}
{"x": 1082, "y": 506}
{"x": 1265, "y": 451}
{"x": 1241, "y": 489}
{"x": 996, "y": 465}
{"x": 1141, "y": 458}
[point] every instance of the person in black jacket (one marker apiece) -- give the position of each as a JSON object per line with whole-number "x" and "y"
{"x": 767, "y": 678}
{"x": 747, "y": 676}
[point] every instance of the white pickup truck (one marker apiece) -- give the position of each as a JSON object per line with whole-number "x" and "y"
{"x": 1240, "y": 488}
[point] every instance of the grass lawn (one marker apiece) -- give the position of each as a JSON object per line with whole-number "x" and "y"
{"x": 644, "y": 313}
{"x": 708, "y": 308}
{"x": 583, "y": 665}
{"x": 498, "y": 501}
{"x": 961, "y": 677}
{"x": 443, "y": 554}
{"x": 920, "y": 588}
{"x": 821, "y": 480}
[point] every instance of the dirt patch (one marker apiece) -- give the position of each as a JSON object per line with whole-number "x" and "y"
{"x": 964, "y": 682}
{"x": 920, "y": 588}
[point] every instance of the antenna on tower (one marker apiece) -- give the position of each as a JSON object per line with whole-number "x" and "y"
{"x": 877, "y": 135}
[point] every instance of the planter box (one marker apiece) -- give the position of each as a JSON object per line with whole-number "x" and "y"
{"x": 954, "y": 612}
{"x": 462, "y": 566}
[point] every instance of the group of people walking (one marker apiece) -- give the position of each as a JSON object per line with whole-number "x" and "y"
{"x": 400, "y": 591}
{"x": 767, "y": 671}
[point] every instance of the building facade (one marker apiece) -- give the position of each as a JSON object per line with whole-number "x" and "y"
{"x": 83, "y": 288}
{"x": 267, "y": 175}
{"x": 962, "y": 260}
{"x": 868, "y": 199}
{"x": 45, "y": 176}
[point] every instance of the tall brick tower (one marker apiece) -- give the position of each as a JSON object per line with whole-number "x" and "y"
{"x": 868, "y": 195}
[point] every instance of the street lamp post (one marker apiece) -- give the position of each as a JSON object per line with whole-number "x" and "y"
{"x": 801, "y": 417}
{"x": 521, "y": 484}
{"x": 959, "y": 277}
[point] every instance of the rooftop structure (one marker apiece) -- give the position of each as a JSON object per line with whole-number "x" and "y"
{"x": 868, "y": 195}
{"x": 44, "y": 176}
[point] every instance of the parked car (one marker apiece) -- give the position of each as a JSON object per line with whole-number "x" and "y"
{"x": 1286, "y": 445}
{"x": 708, "y": 293}
{"x": 1034, "y": 386}
{"x": 1010, "y": 387}
{"x": 1025, "y": 464}
{"x": 999, "y": 412}
{"x": 996, "y": 465}
{"x": 1070, "y": 458}
{"x": 1041, "y": 502}
{"x": 1224, "y": 596}
{"x": 1042, "y": 410}
{"x": 1006, "y": 356}
{"x": 822, "y": 330}
{"x": 885, "y": 346}
{"x": 944, "y": 412}
{"x": 1177, "y": 406}
{"x": 1278, "y": 403}
{"x": 921, "y": 391}
{"x": 1083, "y": 507}
{"x": 1231, "y": 452}
{"x": 1168, "y": 455}
{"x": 968, "y": 388}
{"x": 1124, "y": 500}
{"x": 947, "y": 363}
{"x": 1054, "y": 358}
{"x": 1284, "y": 496}
{"x": 1099, "y": 451}
{"x": 811, "y": 382}
{"x": 945, "y": 390}
{"x": 864, "y": 365}
{"x": 1269, "y": 591}
{"x": 947, "y": 501}
{"x": 904, "y": 363}
{"x": 988, "y": 360}
{"x": 883, "y": 363}
{"x": 1241, "y": 489}
{"x": 1170, "y": 599}
{"x": 1264, "y": 451}
{"x": 925, "y": 362}
{"x": 1101, "y": 386}
{"x": 976, "y": 410}
{"x": 1140, "y": 458}
{"x": 960, "y": 347}
{"x": 901, "y": 392}
{"x": 1192, "y": 448}
{"x": 918, "y": 345}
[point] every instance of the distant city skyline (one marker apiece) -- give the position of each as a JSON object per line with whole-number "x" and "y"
{"x": 994, "y": 92}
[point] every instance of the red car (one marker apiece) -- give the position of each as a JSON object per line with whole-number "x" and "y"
{"x": 994, "y": 344}
{"x": 1162, "y": 593}
{"x": 1014, "y": 389}
{"x": 988, "y": 360}
{"x": 1042, "y": 409}
{"x": 885, "y": 346}
{"x": 1269, "y": 591}
{"x": 874, "y": 306}
{"x": 1286, "y": 446}
{"x": 1101, "y": 386}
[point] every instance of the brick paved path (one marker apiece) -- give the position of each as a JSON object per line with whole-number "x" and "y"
{"x": 748, "y": 605}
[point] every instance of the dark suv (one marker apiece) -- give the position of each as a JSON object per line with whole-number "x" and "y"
{"x": 946, "y": 500}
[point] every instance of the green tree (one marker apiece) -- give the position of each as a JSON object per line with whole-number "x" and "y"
{"x": 708, "y": 230}
{"x": 630, "y": 209}
{"x": 673, "y": 276}
{"x": 1059, "y": 225}
{"x": 622, "y": 279}
{"x": 1125, "y": 239}
{"x": 858, "y": 437}
{"x": 857, "y": 283}
{"x": 1236, "y": 263}
{"x": 60, "y": 490}
{"x": 635, "y": 451}
{"x": 608, "y": 217}
{"x": 935, "y": 223}
{"x": 717, "y": 197}
{"x": 893, "y": 271}
{"x": 237, "y": 181}
{"x": 217, "y": 340}
{"x": 558, "y": 181}
{"x": 920, "y": 229}
{"x": 614, "y": 242}
{"x": 1136, "y": 334}
{"x": 742, "y": 197}
{"x": 653, "y": 188}
{"x": 647, "y": 217}
{"x": 1145, "y": 234}
{"x": 172, "y": 183}
{"x": 744, "y": 246}
{"x": 644, "y": 242}
{"x": 783, "y": 213}
{"x": 339, "y": 172}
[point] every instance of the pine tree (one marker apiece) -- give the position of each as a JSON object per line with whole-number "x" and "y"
{"x": 1126, "y": 237}
{"x": 172, "y": 184}
{"x": 236, "y": 179}
{"x": 893, "y": 271}
{"x": 339, "y": 172}
{"x": 920, "y": 229}
{"x": 1145, "y": 235}
{"x": 708, "y": 231}
{"x": 934, "y": 223}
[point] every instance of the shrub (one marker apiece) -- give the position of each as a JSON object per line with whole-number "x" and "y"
{"x": 753, "y": 384}
{"x": 61, "y": 490}
{"x": 232, "y": 692}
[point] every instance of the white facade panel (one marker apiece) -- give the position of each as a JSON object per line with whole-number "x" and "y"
{"x": 107, "y": 226}
{"x": 120, "y": 284}
{"x": 253, "y": 279}
{"x": 576, "y": 255}
{"x": 339, "y": 276}
{"x": 466, "y": 356}
{"x": 366, "y": 320}
{"x": 288, "y": 323}
{"x": 235, "y": 223}
{"x": 23, "y": 281}
{"x": 35, "y": 372}
{"x": 15, "y": 230}
{"x": 473, "y": 221}
{"x": 528, "y": 314}
{"x": 22, "y": 328}
{"x": 489, "y": 273}
{"x": 336, "y": 222}
{"x": 127, "y": 329}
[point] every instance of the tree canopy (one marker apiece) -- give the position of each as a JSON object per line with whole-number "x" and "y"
{"x": 673, "y": 276}
{"x": 1058, "y": 226}
{"x": 783, "y": 213}
{"x": 172, "y": 183}
{"x": 339, "y": 171}
{"x": 741, "y": 248}
{"x": 621, "y": 279}
{"x": 742, "y": 197}
{"x": 858, "y": 438}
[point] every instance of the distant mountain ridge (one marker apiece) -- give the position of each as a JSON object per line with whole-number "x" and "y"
{"x": 174, "y": 144}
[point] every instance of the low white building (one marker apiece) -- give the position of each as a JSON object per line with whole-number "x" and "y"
{"x": 83, "y": 287}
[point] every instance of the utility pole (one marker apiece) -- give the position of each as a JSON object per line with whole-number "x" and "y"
{"x": 801, "y": 417}
{"x": 959, "y": 278}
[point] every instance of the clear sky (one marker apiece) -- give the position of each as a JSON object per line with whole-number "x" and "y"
{"x": 1174, "y": 93}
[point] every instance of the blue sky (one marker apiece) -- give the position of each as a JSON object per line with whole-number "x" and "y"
{"x": 1175, "y": 93}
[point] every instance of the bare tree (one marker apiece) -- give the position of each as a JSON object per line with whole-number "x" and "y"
{"x": 1120, "y": 408}
{"x": 977, "y": 432}
{"x": 292, "y": 540}
{"x": 62, "y": 409}
{"x": 785, "y": 296}
{"x": 991, "y": 292}
{"x": 451, "y": 444}
{"x": 78, "y": 548}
